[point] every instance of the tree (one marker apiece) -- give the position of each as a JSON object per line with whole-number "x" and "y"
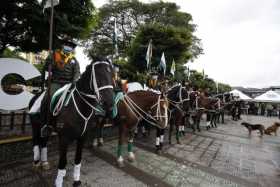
{"x": 24, "y": 25}
{"x": 175, "y": 42}
{"x": 199, "y": 81}
{"x": 131, "y": 15}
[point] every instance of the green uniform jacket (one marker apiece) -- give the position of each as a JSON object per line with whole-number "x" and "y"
{"x": 69, "y": 73}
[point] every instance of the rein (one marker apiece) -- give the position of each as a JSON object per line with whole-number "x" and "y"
{"x": 139, "y": 113}
{"x": 82, "y": 95}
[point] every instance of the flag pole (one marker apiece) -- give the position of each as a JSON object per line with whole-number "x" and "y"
{"x": 50, "y": 64}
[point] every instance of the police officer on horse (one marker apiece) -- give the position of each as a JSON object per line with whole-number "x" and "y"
{"x": 65, "y": 70}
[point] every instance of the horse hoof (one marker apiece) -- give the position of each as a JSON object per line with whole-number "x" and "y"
{"x": 46, "y": 166}
{"x": 131, "y": 157}
{"x": 158, "y": 151}
{"x": 100, "y": 144}
{"x": 120, "y": 164}
{"x": 36, "y": 165}
{"x": 77, "y": 183}
{"x": 178, "y": 142}
{"x": 170, "y": 142}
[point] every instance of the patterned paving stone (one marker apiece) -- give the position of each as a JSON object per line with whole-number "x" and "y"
{"x": 172, "y": 172}
{"x": 94, "y": 173}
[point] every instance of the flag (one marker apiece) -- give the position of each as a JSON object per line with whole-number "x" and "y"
{"x": 48, "y": 3}
{"x": 149, "y": 53}
{"x": 115, "y": 39}
{"x": 162, "y": 63}
{"x": 173, "y": 68}
{"x": 203, "y": 74}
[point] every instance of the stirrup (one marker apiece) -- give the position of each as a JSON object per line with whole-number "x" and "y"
{"x": 46, "y": 131}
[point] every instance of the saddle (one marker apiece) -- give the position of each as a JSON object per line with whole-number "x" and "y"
{"x": 119, "y": 96}
{"x": 60, "y": 98}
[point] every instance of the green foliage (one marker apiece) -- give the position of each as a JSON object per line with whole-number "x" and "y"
{"x": 197, "y": 80}
{"x": 173, "y": 41}
{"x": 133, "y": 14}
{"x": 26, "y": 27}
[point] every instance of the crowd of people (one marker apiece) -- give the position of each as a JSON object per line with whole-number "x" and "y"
{"x": 263, "y": 109}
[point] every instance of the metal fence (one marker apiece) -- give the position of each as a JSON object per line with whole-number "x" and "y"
{"x": 14, "y": 124}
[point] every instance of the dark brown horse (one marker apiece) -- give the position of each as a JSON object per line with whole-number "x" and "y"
{"x": 199, "y": 104}
{"x": 94, "y": 88}
{"x": 179, "y": 103}
{"x": 135, "y": 106}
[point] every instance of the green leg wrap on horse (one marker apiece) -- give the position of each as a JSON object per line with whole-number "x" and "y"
{"x": 177, "y": 135}
{"x": 129, "y": 146}
{"x": 119, "y": 152}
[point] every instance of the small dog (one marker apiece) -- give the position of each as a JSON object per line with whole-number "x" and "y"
{"x": 272, "y": 128}
{"x": 252, "y": 127}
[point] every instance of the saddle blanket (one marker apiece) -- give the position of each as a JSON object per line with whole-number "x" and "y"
{"x": 59, "y": 99}
{"x": 37, "y": 104}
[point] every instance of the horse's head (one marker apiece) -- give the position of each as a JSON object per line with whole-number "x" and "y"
{"x": 179, "y": 95}
{"x": 194, "y": 97}
{"x": 160, "y": 111}
{"x": 97, "y": 81}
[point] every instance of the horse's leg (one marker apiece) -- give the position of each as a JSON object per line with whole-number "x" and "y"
{"x": 63, "y": 146}
{"x": 183, "y": 125}
{"x": 78, "y": 158}
{"x": 131, "y": 156}
{"x": 216, "y": 115}
{"x": 44, "y": 153}
{"x": 170, "y": 131}
{"x": 161, "y": 138}
{"x": 194, "y": 123}
{"x": 178, "y": 131}
{"x": 95, "y": 135}
{"x": 198, "y": 122}
{"x": 223, "y": 117}
{"x": 120, "y": 159}
{"x": 96, "y": 130}
{"x": 144, "y": 133}
{"x": 36, "y": 141}
{"x": 158, "y": 141}
{"x": 212, "y": 119}
{"x": 136, "y": 129}
{"x": 100, "y": 135}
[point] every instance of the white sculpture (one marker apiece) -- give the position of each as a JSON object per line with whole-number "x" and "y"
{"x": 22, "y": 68}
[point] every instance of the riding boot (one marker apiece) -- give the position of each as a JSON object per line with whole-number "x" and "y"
{"x": 59, "y": 178}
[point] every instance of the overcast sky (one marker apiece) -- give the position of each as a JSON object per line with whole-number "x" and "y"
{"x": 241, "y": 39}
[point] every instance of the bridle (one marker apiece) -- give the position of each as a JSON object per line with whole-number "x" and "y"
{"x": 139, "y": 113}
{"x": 94, "y": 87}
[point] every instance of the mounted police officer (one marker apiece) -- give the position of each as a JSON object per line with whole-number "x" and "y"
{"x": 65, "y": 70}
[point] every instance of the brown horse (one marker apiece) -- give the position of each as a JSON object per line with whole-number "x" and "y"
{"x": 199, "y": 104}
{"x": 135, "y": 106}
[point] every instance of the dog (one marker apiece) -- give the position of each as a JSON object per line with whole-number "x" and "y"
{"x": 253, "y": 127}
{"x": 272, "y": 128}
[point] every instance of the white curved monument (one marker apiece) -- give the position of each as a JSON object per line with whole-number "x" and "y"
{"x": 22, "y": 68}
